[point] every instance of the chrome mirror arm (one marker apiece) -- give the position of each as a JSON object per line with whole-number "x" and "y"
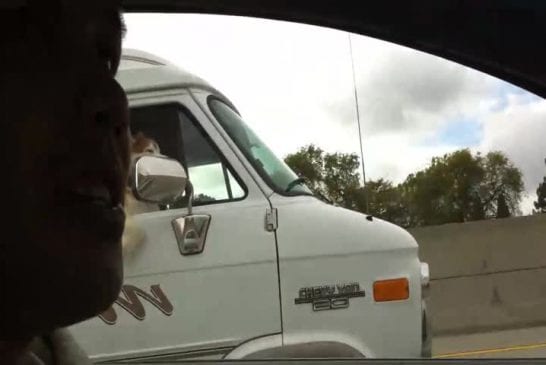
{"x": 189, "y": 193}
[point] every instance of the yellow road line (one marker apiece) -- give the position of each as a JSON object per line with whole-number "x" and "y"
{"x": 492, "y": 351}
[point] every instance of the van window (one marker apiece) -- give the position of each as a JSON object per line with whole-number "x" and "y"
{"x": 178, "y": 136}
{"x": 272, "y": 169}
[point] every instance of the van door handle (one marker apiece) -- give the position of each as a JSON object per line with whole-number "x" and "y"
{"x": 191, "y": 233}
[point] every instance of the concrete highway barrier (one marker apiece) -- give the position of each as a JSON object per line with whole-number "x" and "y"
{"x": 486, "y": 275}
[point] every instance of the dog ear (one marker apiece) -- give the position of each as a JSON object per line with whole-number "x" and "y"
{"x": 157, "y": 149}
{"x": 138, "y": 135}
{"x": 134, "y": 138}
{"x": 142, "y": 143}
{"x": 138, "y": 142}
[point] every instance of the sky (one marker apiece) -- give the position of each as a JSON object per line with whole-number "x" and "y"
{"x": 293, "y": 84}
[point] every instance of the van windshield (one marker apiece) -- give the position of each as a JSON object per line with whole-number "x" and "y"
{"x": 272, "y": 169}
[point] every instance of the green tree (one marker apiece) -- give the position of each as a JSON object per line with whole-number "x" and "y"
{"x": 501, "y": 178}
{"x": 336, "y": 176}
{"x": 308, "y": 162}
{"x": 456, "y": 187}
{"x": 203, "y": 198}
{"x": 341, "y": 177}
{"x": 446, "y": 191}
{"x": 460, "y": 187}
{"x": 385, "y": 201}
{"x": 503, "y": 211}
{"x": 333, "y": 175}
{"x": 540, "y": 204}
{"x": 182, "y": 202}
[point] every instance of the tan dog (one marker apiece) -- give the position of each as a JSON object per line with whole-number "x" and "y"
{"x": 133, "y": 235}
{"x": 143, "y": 144}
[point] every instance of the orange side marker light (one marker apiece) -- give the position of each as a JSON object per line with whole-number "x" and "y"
{"x": 390, "y": 290}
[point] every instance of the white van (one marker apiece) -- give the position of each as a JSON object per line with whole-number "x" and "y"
{"x": 268, "y": 270}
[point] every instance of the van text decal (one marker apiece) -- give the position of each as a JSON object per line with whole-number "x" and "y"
{"x": 327, "y": 297}
{"x": 129, "y": 300}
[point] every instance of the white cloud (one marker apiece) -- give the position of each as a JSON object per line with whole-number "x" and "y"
{"x": 401, "y": 89}
{"x": 279, "y": 75}
{"x": 405, "y": 98}
{"x": 293, "y": 84}
{"x": 520, "y": 131}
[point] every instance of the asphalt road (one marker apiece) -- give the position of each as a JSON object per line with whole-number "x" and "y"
{"x": 519, "y": 343}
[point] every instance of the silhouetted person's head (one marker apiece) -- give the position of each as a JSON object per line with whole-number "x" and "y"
{"x": 64, "y": 129}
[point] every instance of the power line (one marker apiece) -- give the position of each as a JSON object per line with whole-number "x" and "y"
{"x": 358, "y": 122}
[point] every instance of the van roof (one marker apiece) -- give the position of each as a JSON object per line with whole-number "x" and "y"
{"x": 141, "y": 71}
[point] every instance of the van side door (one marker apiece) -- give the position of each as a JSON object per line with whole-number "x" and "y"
{"x": 199, "y": 305}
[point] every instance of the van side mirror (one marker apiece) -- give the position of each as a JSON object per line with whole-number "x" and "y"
{"x": 158, "y": 179}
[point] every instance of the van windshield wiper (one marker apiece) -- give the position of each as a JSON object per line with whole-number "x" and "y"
{"x": 298, "y": 181}
{"x": 324, "y": 198}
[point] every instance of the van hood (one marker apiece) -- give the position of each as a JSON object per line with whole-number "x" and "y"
{"x": 330, "y": 230}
